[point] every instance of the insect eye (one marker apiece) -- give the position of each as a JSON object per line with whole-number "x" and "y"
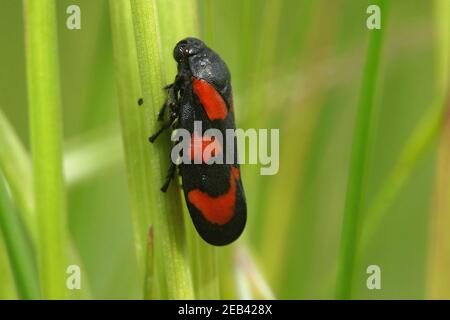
{"x": 179, "y": 52}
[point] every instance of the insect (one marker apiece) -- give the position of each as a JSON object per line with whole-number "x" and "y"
{"x": 201, "y": 91}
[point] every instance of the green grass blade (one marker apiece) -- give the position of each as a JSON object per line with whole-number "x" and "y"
{"x": 16, "y": 165}
{"x": 418, "y": 144}
{"x": 15, "y": 160}
{"x": 179, "y": 20}
{"x": 207, "y": 25}
{"x": 46, "y": 142}
{"x": 132, "y": 120}
{"x": 422, "y": 139}
{"x": 439, "y": 243}
{"x": 90, "y": 149}
{"x": 442, "y": 27}
{"x": 172, "y": 265}
{"x": 8, "y": 289}
{"x": 18, "y": 246}
{"x": 150, "y": 288}
{"x": 250, "y": 282}
{"x": 204, "y": 268}
{"x": 359, "y": 161}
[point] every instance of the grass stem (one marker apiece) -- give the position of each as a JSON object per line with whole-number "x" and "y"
{"x": 359, "y": 161}
{"x": 134, "y": 133}
{"x": 20, "y": 252}
{"x": 46, "y": 142}
{"x": 439, "y": 243}
{"x": 172, "y": 265}
{"x": 15, "y": 163}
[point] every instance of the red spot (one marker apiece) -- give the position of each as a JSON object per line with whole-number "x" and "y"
{"x": 212, "y": 101}
{"x": 198, "y": 146}
{"x": 219, "y": 209}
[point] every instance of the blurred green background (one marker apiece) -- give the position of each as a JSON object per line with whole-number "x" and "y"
{"x": 296, "y": 65}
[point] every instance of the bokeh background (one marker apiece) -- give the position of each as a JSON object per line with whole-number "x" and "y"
{"x": 296, "y": 65}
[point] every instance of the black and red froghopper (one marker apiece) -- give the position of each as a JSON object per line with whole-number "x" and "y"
{"x": 202, "y": 92}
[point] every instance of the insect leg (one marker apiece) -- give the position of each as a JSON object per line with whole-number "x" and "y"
{"x": 171, "y": 100}
{"x": 169, "y": 176}
{"x": 161, "y": 112}
{"x": 165, "y": 126}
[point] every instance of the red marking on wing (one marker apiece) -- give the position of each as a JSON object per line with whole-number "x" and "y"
{"x": 219, "y": 209}
{"x": 212, "y": 101}
{"x": 198, "y": 146}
